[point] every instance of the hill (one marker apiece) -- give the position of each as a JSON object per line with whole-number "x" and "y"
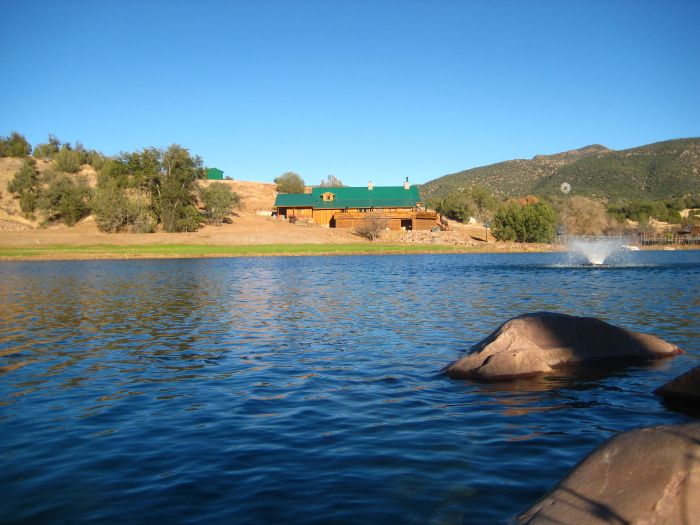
{"x": 664, "y": 169}
{"x": 255, "y": 196}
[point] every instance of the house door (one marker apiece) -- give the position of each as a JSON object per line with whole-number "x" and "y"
{"x": 406, "y": 224}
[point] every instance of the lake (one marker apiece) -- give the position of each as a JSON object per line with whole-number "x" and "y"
{"x": 308, "y": 389}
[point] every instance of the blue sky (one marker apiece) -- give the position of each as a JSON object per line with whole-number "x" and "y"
{"x": 377, "y": 90}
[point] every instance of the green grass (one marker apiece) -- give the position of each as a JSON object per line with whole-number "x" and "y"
{"x": 96, "y": 251}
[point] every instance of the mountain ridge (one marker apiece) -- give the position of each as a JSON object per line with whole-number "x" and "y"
{"x": 659, "y": 170}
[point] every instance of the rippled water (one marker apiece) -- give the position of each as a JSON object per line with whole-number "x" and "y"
{"x": 307, "y": 389}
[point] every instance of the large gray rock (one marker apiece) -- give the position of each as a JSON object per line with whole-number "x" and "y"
{"x": 647, "y": 476}
{"x": 540, "y": 342}
{"x": 686, "y": 387}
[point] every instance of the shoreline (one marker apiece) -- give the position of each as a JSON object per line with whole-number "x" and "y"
{"x": 63, "y": 252}
{"x": 200, "y": 251}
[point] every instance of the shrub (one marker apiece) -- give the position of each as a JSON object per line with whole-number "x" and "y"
{"x": 219, "y": 201}
{"x": 462, "y": 204}
{"x": 25, "y": 184}
{"x": 456, "y": 206}
{"x": 290, "y": 182}
{"x": 68, "y": 160}
{"x": 14, "y": 146}
{"x": 110, "y": 207}
{"x": 371, "y": 227}
{"x": 47, "y": 150}
{"x": 65, "y": 199}
{"x": 531, "y": 222}
{"x": 141, "y": 217}
{"x": 95, "y": 159}
{"x": 188, "y": 220}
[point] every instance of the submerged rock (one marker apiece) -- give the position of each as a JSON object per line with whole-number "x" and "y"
{"x": 650, "y": 475}
{"x": 540, "y": 342}
{"x": 686, "y": 387}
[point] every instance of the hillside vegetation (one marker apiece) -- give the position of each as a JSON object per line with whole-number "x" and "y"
{"x": 655, "y": 171}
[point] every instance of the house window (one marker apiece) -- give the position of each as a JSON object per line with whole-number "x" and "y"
{"x": 328, "y": 196}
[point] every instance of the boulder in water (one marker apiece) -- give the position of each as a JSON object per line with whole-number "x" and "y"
{"x": 649, "y": 475}
{"x": 686, "y": 387}
{"x": 540, "y": 342}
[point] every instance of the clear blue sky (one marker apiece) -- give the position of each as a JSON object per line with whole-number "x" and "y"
{"x": 364, "y": 89}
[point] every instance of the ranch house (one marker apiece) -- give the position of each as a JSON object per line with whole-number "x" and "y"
{"x": 346, "y": 207}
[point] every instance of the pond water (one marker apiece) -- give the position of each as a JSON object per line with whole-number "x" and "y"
{"x": 307, "y": 389}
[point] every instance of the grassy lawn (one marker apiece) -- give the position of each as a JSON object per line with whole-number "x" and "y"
{"x": 99, "y": 251}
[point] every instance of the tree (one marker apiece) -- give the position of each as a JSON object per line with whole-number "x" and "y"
{"x": 290, "y": 182}
{"x": 457, "y": 206}
{"x": 219, "y": 201}
{"x": 175, "y": 190}
{"x": 110, "y": 206}
{"x": 584, "y": 216}
{"x": 25, "y": 184}
{"x": 371, "y": 226}
{"x": 330, "y": 182}
{"x": 531, "y": 222}
{"x": 463, "y": 203}
{"x": 65, "y": 199}
{"x": 14, "y": 146}
{"x": 484, "y": 202}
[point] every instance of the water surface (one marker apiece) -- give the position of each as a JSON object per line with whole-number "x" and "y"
{"x": 307, "y": 389}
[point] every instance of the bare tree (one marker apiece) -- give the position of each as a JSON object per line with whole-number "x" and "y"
{"x": 331, "y": 182}
{"x": 586, "y": 216}
{"x": 371, "y": 226}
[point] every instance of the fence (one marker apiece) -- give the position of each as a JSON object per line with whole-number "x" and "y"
{"x": 641, "y": 238}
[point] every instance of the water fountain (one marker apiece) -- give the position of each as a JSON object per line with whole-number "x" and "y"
{"x": 596, "y": 250}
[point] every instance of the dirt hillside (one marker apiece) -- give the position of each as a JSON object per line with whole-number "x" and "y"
{"x": 251, "y": 224}
{"x": 255, "y": 196}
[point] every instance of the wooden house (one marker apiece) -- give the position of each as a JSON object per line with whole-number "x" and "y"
{"x": 346, "y": 207}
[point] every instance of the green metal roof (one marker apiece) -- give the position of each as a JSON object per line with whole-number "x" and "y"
{"x": 293, "y": 200}
{"x": 215, "y": 174}
{"x": 378, "y": 197}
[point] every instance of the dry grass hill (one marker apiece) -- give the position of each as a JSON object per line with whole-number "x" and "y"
{"x": 249, "y": 224}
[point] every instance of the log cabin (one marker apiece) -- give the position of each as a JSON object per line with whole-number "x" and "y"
{"x": 348, "y": 207}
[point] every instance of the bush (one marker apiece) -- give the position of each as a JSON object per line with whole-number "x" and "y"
{"x": 48, "y": 150}
{"x": 290, "y": 182}
{"x": 14, "y": 146}
{"x": 141, "y": 217}
{"x": 188, "y": 220}
{"x": 219, "y": 201}
{"x": 371, "y": 227}
{"x": 118, "y": 209}
{"x": 462, "y": 204}
{"x": 65, "y": 199}
{"x": 531, "y": 222}
{"x": 25, "y": 184}
{"x": 68, "y": 160}
{"x": 456, "y": 206}
{"x": 110, "y": 207}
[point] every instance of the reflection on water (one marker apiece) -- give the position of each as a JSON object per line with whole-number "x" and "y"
{"x": 307, "y": 389}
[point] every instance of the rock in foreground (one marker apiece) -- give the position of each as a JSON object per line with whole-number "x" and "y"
{"x": 650, "y": 475}
{"x": 686, "y": 387}
{"x": 540, "y": 342}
